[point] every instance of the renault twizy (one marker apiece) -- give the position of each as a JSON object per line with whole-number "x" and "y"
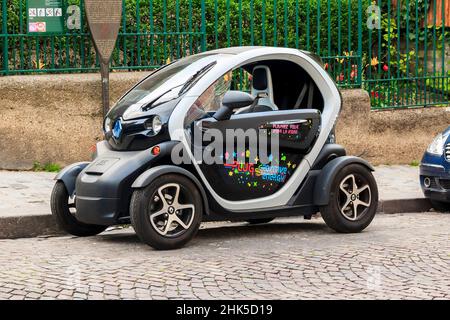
{"x": 146, "y": 171}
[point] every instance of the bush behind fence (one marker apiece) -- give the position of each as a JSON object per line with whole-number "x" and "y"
{"x": 404, "y": 63}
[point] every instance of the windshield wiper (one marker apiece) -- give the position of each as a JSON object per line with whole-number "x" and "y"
{"x": 186, "y": 85}
{"x": 196, "y": 76}
{"x": 151, "y": 103}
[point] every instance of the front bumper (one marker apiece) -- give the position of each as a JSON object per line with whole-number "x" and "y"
{"x": 103, "y": 189}
{"x": 438, "y": 181}
{"x": 98, "y": 211}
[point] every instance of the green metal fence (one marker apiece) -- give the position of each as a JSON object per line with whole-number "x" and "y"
{"x": 151, "y": 33}
{"x": 407, "y": 62}
{"x": 396, "y": 50}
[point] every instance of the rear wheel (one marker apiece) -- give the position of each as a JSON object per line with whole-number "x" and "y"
{"x": 353, "y": 200}
{"x": 260, "y": 221}
{"x": 440, "y": 206}
{"x": 167, "y": 213}
{"x": 63, "y": 209}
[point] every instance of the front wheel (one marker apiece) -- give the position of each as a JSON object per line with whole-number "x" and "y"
{"x": 63, "y": 209}
{"x": 353, "y": 200}
{"x": 167, "y": 213}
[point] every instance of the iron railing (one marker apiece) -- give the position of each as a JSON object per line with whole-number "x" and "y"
{"x": 398, "y": 50}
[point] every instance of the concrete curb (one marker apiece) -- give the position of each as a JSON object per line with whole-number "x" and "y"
{"x": 29, "y": 226}
{"x": 404, "y": 205}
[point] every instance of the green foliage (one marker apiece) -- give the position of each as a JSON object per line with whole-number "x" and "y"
{"x": 396, "y": 58}
{"x": 154, "y": 32}
{"x": 284, "y": 32}
{"x": 234, "y": 24}
{"x": 390, "y": 94}
{"x": 415, "y": 163}
{"x": 406, "y": 10}
{"x": 174, "y": 29}
{"x": 440, "y": 84}
{"x": 47, "y": 167}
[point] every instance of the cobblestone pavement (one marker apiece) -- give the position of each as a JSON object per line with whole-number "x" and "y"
{"x": 398, "y": 256}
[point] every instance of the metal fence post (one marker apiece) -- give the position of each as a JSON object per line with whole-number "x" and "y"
{"x": 318, "y": 27}
{"x": 5, "y": 37}
{"x": 359, "y": 75}
{"x": 203, "y": 28}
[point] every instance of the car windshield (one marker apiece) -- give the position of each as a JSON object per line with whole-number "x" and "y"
{"x": 171, "y": 81}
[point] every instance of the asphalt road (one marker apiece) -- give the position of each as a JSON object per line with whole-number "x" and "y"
{"x": 399, "y": 256}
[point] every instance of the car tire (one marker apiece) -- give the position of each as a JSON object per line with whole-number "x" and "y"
{"x": 259, "y": 221}
{"x": 163, "y": 218}
{"x": 354, "y": 189}
{"x": 60, "y": 207}
{"x": 440, "y": 206}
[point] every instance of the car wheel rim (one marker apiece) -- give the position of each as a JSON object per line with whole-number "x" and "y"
{"x": 170, "y": 213}
{"x": 355, "y": 197}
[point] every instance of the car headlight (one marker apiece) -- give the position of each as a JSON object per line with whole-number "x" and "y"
{"x": 154, "y": 124}
{"x": 437, "y": 146}
{"x": 107, "y": 125}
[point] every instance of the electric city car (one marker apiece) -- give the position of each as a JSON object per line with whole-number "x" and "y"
{"x": 135, "y": 177}
{"x": 435, "y": 172}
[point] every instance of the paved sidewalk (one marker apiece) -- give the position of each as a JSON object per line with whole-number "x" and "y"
{"x": 25, "y": 204}
{"x": 25, "y": 198}
{"x": 398, "y": 182}
{"x": 25, "y": 193}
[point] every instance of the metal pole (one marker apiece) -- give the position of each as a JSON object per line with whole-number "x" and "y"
{"x": 104, "y": 71}
{"x": 5, "y": 37}
{"x": 359, "y": 78}
{"x": 203, "y": 26}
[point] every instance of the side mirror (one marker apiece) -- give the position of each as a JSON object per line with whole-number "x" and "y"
{"x": 233, "y": 100}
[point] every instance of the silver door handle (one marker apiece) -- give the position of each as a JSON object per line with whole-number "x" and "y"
{"x": 293, "y": 121}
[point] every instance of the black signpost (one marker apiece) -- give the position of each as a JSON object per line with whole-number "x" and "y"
{"x": 103, "y": 17}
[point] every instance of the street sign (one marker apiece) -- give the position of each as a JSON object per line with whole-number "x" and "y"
{"x": 103, "y": 18}
{"x": 45, "y": 16}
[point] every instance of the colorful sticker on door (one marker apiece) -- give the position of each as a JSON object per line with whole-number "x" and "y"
{"x": 258, "y": 175}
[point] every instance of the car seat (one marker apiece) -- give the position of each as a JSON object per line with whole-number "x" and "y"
{"x": 262, "y": 89}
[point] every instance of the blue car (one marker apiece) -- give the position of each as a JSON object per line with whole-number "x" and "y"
{"x": 435, "y": 172}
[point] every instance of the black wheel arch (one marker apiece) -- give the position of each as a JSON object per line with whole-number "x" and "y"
{"x": 329, "y": 152}
{"x": 322, "y": 188}
{"x": 151, "y": 174}
{"x": 69, "y": 175}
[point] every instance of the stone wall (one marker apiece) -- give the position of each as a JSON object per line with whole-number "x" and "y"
{"x": 56, "y": 118}
{"x": 53, "y": 118}
{"x": 390, "y": 136}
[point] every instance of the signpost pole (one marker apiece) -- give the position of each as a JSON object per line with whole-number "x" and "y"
{"x": 104, "y": 22}
{"x": 104, "y": 71}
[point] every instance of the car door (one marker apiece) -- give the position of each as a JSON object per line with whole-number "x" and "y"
{"x": 283, "y": 138}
